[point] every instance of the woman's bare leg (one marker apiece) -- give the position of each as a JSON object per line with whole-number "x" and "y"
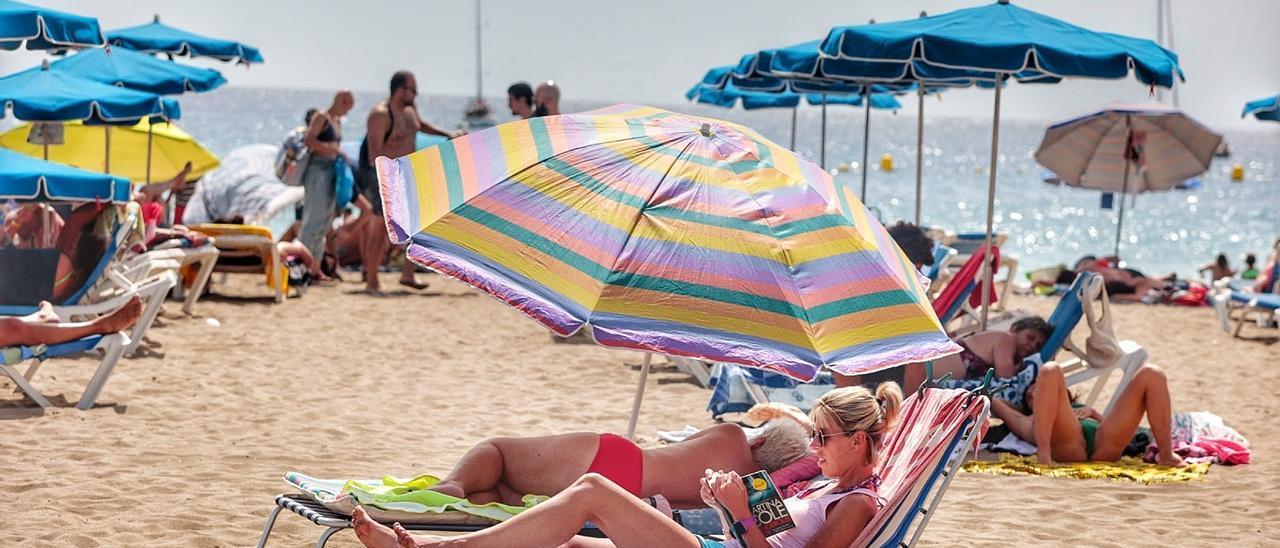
{"x": 16, "y": 331}
{"x": 1058, "y": 433}
{"x": 506, "y": 469}
{"x": 627, "y": 521}
{"x": 1147, "y": 393}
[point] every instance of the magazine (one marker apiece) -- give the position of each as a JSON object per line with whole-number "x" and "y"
{"x": 766, "y": 504}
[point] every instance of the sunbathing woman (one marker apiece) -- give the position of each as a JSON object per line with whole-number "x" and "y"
{"x": 1065, "y": 433}
{"x": 44, "y": 326}
{"x": 849, "y": 424}
{"x": 505, "y": 469}
{"x": 1002, "y": 350}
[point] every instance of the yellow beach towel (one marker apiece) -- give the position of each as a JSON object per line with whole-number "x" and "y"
{"x": 1127, "y": 469}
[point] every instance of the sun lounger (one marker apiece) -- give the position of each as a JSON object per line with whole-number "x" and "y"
{"x": 106, "y": 289}
{"x": 1237, "y": 298}
{"x": 940, "y": 271}
{"x": 248, "y": 249}
{"x": 936, "y": 430}
{"x": 955, "y": 304}
{"x": 966, "y": 243}
{"x": 110, "y": 346}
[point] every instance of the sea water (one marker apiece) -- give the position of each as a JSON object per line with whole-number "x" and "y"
{"x": 1172, "y": 231}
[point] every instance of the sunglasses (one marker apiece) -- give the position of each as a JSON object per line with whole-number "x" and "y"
{"x": 820, "y": 438}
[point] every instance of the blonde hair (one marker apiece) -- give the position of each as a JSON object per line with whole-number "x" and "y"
{"x": 856, "y": 409}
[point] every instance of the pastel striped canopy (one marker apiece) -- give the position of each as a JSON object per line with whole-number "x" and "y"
{"x": 666, "y": 233}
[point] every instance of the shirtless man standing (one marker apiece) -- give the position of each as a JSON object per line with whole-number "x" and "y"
{"x": 393, "y": 126}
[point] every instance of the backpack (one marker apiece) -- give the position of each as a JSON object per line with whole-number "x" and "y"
{"x": 290, "y": 161}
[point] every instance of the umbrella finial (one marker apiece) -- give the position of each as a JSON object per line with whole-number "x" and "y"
{"x": 1006, "y": 2}
{"x": 706, "y": 130}
{"x": 155, "y": 18}
{"x": 44, "y": 64}
{"x": 924, "y": 13}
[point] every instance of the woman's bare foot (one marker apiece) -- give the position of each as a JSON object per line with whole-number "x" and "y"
{"x": 1171, "y": 460}
{"x": 372, "y": 533}
{"x": 122, "y": 318}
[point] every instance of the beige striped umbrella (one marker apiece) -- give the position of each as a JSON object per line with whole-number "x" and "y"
{"x": 1129, "y": 149}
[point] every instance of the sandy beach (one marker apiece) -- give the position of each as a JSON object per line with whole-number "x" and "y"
{"x": 188, "y": 442}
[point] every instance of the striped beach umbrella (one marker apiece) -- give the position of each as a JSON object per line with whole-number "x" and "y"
{"x": 1129, "y": 149}
{"x": 668, "y": 234}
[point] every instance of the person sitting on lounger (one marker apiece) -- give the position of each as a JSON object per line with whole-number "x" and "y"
{"x": 44, "y": 326}
{"x": 1064, "y": 432}
{"x": 1002, "y": 350}
{"x": 506, "y": 469}
{"x": 849, "y": 429}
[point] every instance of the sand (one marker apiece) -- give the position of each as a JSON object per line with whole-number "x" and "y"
{"x": 189, "y": 440}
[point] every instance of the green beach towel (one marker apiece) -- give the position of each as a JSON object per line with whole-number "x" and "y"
{"x": 408, "y": 501}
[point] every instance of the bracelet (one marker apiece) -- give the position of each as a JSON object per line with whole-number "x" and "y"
{"x": 743, "y": 525}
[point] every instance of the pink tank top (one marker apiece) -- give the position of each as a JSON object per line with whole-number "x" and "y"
{"x": 809, "y": 516}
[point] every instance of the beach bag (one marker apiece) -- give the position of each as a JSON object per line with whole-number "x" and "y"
{"x": 291, "y": 161}
{"x": 343, "y": 183}
{"x": 1102, "y": 348}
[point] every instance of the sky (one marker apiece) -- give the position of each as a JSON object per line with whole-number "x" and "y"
{"x": 652, "y": 51}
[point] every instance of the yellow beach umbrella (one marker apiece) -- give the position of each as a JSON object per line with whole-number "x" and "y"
{"x": 85, "y": 147}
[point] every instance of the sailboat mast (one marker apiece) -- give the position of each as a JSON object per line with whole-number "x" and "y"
{"x": 479, "y": 59}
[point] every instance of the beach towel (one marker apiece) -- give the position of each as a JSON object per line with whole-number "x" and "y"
{"x": 1127, "y": 469}
{"x": 407, "y": 501}
{"x": 1201, "y": 436}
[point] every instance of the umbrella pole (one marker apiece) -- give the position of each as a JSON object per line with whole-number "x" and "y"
{"x": 149, "y": 134}
{"x": 106, "y": 161}
{"x": 635, "y": 404}
{"x": 822, "y": 152}
{"x": 987, "y": 274}
{"x": 919, "y": 149}
{"x": 46, "y": 151}
{"x": 1124, "y": 189}
{"x": 794, "y": 112}
{"x": 866, "y": 138}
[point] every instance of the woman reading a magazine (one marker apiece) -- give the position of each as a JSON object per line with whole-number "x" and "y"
{"x": 849, "y": 427}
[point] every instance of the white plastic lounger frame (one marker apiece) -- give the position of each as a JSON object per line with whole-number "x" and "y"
{"x": 111, "y": 346}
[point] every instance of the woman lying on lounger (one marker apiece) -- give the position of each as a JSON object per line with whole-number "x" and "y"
{"x": 506, "y": 469}
{"x": 1065, "y": 433}
{"x": 849, "y": 428}
{"x": 44, "y": 326}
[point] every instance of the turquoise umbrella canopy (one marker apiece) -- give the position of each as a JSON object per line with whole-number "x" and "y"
{"x": 40, "y": 28}
{"x": 1264, "y": 109}
{"x": 157, "y": 37}
{"x": 42, "y": 94}
{"x": 139, "y": 71}
{"x": 25, "y": 178}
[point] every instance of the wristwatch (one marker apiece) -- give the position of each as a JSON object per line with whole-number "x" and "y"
{"x": 743, "y": 525}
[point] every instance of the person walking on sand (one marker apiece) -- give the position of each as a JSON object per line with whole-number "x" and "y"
{"x": 393, "y": 126}
{"x": 546, "y": 99}
{"x": 324, "y": 135}
{"x": 520, "y": 100}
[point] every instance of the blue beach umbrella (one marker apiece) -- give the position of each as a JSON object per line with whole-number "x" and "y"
{"x": 40, "y": 28}
{"x": 139, "y": 71}
{"x": 25, "y": 178}
{"x": 720, "y": 88}
{"x": 992, "y": 43}
{"x": 1264, "y": 109}
{"x": 43, "y": 95}
{"x": 157, "y": 37}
